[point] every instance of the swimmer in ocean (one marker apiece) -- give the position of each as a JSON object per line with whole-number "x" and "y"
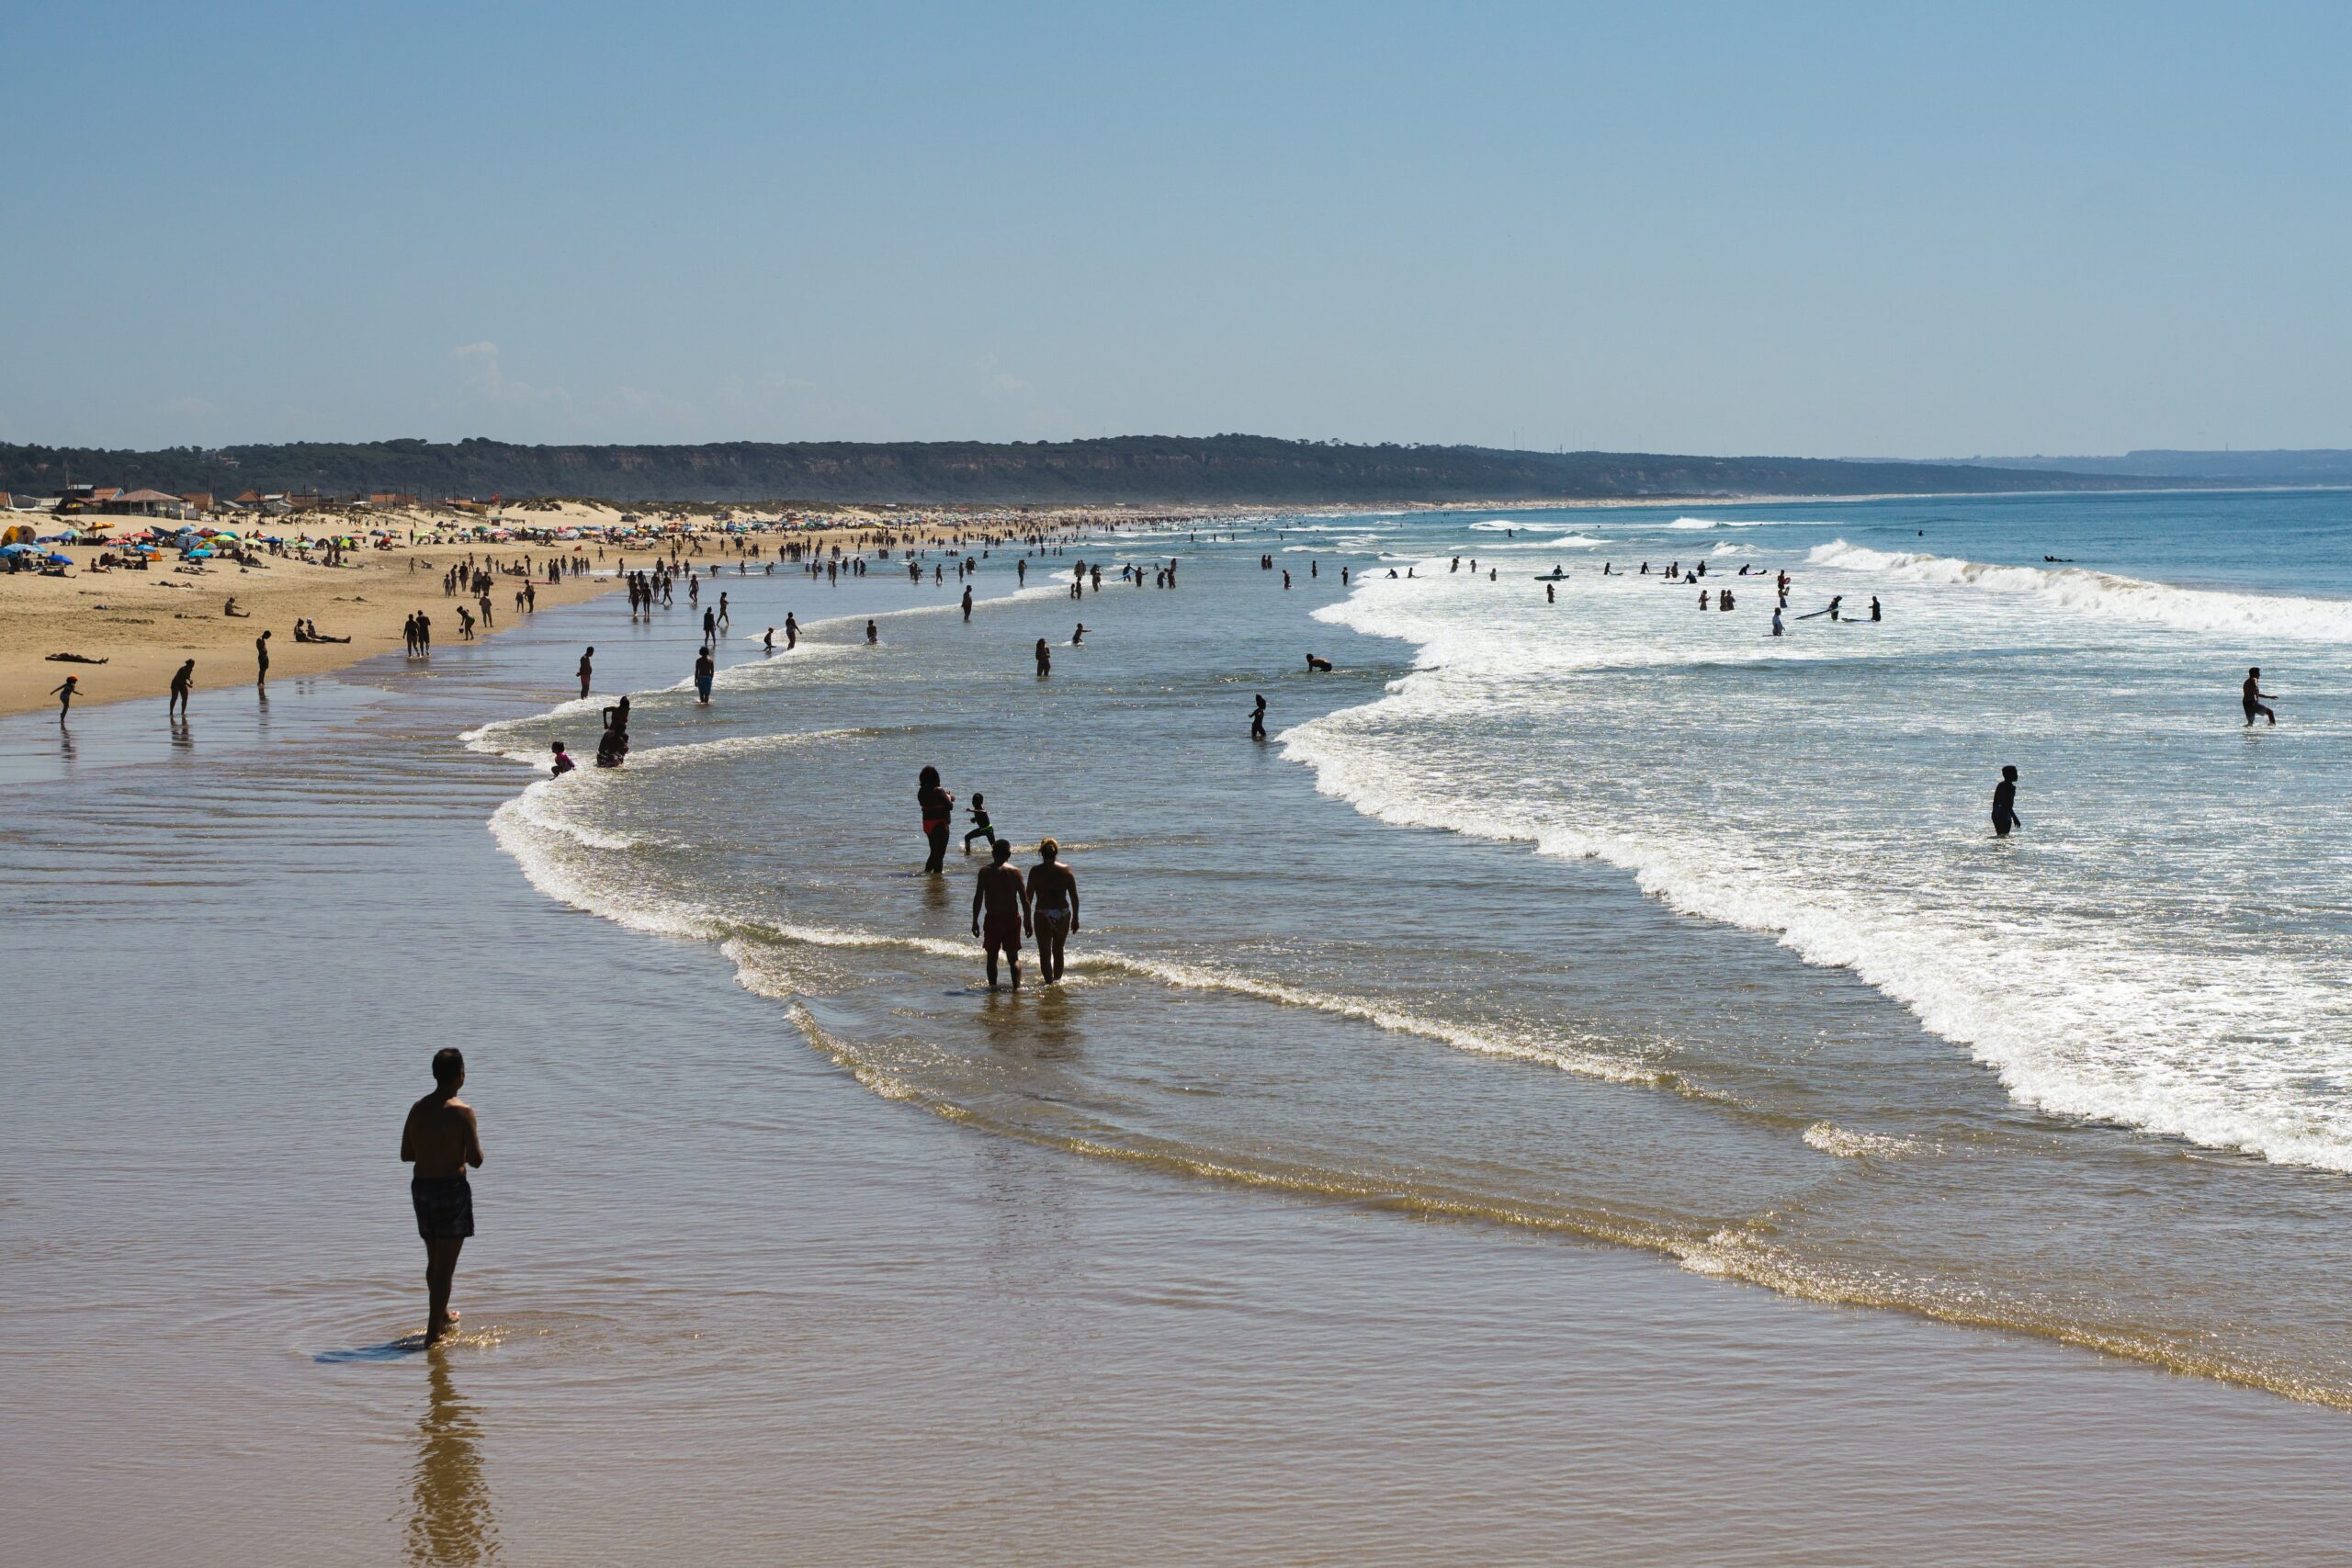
{"x": 981, "y": 826}
{"x": 2252, "y": 696}
{"x": 2005, "y": 804}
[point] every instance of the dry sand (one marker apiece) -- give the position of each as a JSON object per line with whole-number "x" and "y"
{"x": 144, "y": 623}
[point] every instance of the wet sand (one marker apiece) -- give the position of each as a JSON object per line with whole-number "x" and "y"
{"x": 727, "y": 1306}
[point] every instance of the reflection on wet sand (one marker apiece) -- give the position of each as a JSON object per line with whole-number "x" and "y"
{"x": 449, "y": 1521}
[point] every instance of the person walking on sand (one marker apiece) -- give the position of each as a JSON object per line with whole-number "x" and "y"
{"x": 938, "y": 808}
{"x": 1053, "y": 909}
{"x": 2252, "y": 696}
{"x": 2005, "y": 804}
{"x": 998, "y": 892}
{"x": 587, "y": 664}
{"x": 182, "y": 684}
{"x": 64, "y": 695}
{"x": 261, "y": 659}
{"x": 441, "y": 1140}
{"x": 1258, "y": 719}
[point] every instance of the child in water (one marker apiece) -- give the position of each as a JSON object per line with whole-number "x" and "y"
{"x": 980, "y": 826}
{"x": 563, "y": 762}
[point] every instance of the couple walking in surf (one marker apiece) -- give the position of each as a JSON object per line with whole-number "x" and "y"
{"x": 1007, "y": 906}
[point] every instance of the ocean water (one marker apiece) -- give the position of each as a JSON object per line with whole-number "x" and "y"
{"x": 1433, "y": 1084}
{"x": 1604, "y": 916}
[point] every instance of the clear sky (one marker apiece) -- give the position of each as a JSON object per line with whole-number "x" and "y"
{"x": 1819, "y": 229}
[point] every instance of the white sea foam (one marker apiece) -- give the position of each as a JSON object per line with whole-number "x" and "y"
{"x": 2222, "y": 1034}
{"x": 2108, "y": 596}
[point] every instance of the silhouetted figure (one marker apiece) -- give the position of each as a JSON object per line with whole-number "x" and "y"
{"x": 2254, "y": 695}
{"x": 1052, "y": 907}
{"x": 938, "y": 808}
{"x": 2005, "y": 804}
{"x": 441, "y": 1140}
{"x": 998, "y": 891}
{"x": 1258, "y": 719}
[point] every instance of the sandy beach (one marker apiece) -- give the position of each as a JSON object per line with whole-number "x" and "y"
{"x": 144, "y": 624}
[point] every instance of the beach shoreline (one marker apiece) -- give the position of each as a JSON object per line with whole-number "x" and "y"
{"x": 1039, "y": 1355}
{"x": 142, "y": 624}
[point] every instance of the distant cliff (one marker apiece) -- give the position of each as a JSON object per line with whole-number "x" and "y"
{"x": 1148, "y": 470}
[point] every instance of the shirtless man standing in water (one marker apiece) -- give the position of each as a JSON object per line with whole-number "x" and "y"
{"x": 2252, "y": 696}
{"x": 441, "y": 1140}
{"x": 1053, "y": 908}
{"x": 1000, "y": 891}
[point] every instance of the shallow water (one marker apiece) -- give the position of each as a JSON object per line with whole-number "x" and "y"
{"x": 1791, "y": 1086}
{"x": 1144, "y": 1284}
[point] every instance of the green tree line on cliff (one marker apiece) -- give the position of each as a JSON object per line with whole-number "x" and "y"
{"x": 1142, "y": 469}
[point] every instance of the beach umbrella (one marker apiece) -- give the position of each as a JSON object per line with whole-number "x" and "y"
{"x": 56, "y": 560}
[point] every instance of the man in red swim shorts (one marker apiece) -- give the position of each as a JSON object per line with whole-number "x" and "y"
{"x": 999, "y": 893}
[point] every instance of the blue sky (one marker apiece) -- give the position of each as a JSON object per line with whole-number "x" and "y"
{"x": 1817, "y": 230}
